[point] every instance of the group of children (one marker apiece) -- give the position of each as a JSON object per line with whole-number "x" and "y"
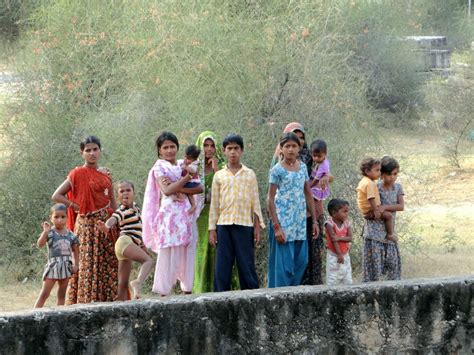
{"x": 235, "y": 217}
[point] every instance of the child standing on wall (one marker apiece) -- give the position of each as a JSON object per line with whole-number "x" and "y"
{"x": 368, "y": 196}
{"x": 235, "y": 218}
{"x": 129, "y": 246}
{"x": 63, "y": 255}
{"x": 338, "y": 239}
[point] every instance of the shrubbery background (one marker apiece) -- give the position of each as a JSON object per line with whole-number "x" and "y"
{"x": 126, "y": 70}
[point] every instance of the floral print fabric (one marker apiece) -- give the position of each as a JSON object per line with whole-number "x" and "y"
{"x": 290, "y": 201}
{"x": 173, "y": 222}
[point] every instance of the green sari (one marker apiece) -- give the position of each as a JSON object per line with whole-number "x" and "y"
{"x": 205, "y": 253}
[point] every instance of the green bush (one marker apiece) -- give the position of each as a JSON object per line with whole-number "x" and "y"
{"x": 125, "y": 71}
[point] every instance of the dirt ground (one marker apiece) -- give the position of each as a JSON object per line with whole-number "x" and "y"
{"x": 438, "y": 239}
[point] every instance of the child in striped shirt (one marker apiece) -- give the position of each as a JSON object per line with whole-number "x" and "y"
{"x": 129, "y": 246}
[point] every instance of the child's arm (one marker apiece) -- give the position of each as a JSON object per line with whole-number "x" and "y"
{"x": 399, "y": 206}
{"x": 374, "y": 207}
{"x": 104, "y": 227}
{"x": 279, "y": 234}
{"x": 310, "y": 207}
{"x": 335, "y": 239}
{"x": 43, "y": 238}
{"x": 348, "y": 237}
{"x": 75, "y": 260}
{"x": 174, "y": 187}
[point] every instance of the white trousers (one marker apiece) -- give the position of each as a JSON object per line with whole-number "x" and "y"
{"x": 338, "y": 274}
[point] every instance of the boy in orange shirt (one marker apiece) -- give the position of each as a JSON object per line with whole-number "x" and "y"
{"x": 368, "y": 196}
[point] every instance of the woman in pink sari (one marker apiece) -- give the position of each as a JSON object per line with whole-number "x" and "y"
{"x": 168, "y": 227}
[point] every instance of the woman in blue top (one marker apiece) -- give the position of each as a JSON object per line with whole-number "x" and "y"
{"x": 289, "y": 197}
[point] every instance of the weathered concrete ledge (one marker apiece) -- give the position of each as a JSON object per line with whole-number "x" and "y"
{"x": 414, "y": 316}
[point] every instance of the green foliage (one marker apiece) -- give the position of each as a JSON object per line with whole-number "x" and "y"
{"x": 451, "y": 100}
{"x": 126, "y": 70}
{"x": 450, "y": 240}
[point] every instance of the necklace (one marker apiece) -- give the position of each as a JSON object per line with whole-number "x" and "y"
{"x": 290, "y": 164}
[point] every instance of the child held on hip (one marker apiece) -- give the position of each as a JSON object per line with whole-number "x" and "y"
{"x": 368, "y": 196}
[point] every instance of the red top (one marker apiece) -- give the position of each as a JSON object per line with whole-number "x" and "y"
{"x": 90, "y": 190}
{"x": 340, "y": 232}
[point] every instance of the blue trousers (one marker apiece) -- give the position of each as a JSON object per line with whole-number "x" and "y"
{"x": 286, "y": 262}
{"x": 235, "y": 242}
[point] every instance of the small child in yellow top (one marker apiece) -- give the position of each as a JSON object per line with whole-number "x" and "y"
{"x": 368, "y": 196}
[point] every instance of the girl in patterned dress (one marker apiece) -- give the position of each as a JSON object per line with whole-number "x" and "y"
{"x": 63, "y": 255}
{"x": 289, "y": 198}
{"x": 168, "y": 228}
{"x": 381, "y": 257}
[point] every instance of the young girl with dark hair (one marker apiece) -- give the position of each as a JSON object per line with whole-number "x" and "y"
{"x": 381, "y": 256}
{"x": 63, "y": 255}
{"x": 289, "y": 198}
{"x": 168, "y": 229}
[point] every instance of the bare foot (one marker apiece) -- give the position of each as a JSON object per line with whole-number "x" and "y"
{"x": 136, "y": 286}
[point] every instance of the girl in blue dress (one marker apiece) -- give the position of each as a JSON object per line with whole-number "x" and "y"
{"x": 289, "y": 197}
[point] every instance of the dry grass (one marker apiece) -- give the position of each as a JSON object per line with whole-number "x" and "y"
{"x": 439, "y": 203}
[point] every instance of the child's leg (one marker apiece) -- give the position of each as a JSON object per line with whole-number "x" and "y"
{"x": 124, "y": 267}
{"x": 135, "y": 253}
{"x": 61, "y": 294}
{"x": 388, "y": 220}
{"x": 48, "y": 285}
{"x": 225, "y": 256}
{"x": 243, "y": 244}
{"x": 193, "y": 204}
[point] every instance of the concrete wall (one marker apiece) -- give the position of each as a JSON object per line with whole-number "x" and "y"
{"x": 417, "y": 316}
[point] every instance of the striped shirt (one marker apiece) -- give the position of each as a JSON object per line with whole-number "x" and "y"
{"x": 234, "y": 198}
{"x": 129, "y": 220}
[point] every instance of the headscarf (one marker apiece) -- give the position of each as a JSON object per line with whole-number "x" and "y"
{"x": 202, "y": 159}
{"x": 304, "y": 154}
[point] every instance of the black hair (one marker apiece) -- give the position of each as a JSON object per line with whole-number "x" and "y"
{"x": 319, "y": 146}
{"x": 335, "y": 205}
{"x": 233, "y": 138}
{"x": 367, "y": 164}
{"x": 57, "y": 207}
{"x": 299, "y": 130}
{"x": 165, "y": 136}
{"x": 192, "y": 151}
{"x": 122, "y": 182}
{"x": 388, "y": 165}
{"x": 290, "y": 136}
{"x": 90, "y": 139}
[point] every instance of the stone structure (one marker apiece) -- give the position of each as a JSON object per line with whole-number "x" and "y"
{"x": 415, "y": 316}
{"x": 434, "y": 52}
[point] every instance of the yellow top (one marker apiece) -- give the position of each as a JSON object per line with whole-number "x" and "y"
{"x": 366, "y": 190}
{"x": 234, "y": 198}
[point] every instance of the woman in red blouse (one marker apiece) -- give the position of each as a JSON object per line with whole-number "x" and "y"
{"x": 87, "y": 191}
